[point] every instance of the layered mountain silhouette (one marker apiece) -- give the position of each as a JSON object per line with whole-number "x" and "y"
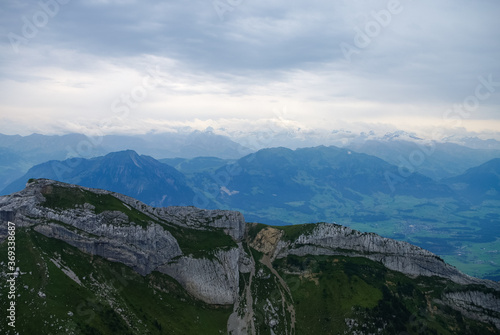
{"x": 124, "y": 172}
{"x": 19, "y": 153}
{"x": 479, "y": 183}
{"x": 293, "y": 174}
{"x": 276, "y": 176}
{"x": 433, "y": 159}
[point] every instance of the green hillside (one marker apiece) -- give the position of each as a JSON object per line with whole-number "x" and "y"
{"x": 299, "y": 279}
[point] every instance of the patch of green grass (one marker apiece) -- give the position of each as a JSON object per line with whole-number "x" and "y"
{"x": 328, "y": 291}
{"x": 59, "y": 197}
{"x": 331, "y": 290}
{"x": 154, "y": 304}
{"x": 292, "y": 232}
{"x": 201, "y": 243}
{"x": 254, "y": 229}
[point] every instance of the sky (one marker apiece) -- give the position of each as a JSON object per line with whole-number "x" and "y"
{"x": 235, "y": 66}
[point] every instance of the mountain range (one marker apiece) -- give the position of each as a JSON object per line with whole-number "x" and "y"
{"x": 446, "y": 159}
{"x": 284, "y": 176}
{"x": 126, "y": 172}
{"x": 19, "y": 153}
{"x": 433, "y": 159}
{"x": 478, "y": 184}
{"x": 281, "y": 186}
{"x": 91, "y": 261}
{"x": 279, "y": 176}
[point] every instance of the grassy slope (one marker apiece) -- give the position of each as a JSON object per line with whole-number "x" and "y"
{"x": 332, "y": 290}
{"x": 327, "y": 291}
{"x": 110, "y": 294}
{"x": 466, "y": 238}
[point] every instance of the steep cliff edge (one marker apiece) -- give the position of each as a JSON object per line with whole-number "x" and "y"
{"x": 311, "y": 241}
{"x": 333, "y": 239}
{"x": 196, "y": 247}
{"x": 274, "y": 279}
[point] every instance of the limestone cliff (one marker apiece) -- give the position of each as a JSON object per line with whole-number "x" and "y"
{"x": 219, "y": 259}
{"x": 211, "y": 276}
{"x": 333, "y": 239}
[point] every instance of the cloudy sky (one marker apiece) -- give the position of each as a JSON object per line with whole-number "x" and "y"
{"x": 136, "y": 66}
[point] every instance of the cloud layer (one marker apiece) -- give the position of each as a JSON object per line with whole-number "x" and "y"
{"x": 132, "y": 65}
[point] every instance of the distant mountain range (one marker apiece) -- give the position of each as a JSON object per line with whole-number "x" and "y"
{"x": 125, "y": 172}
{"x": 163, "y": 145}
{"x": 456, "y": 217}
{"x": 433, "y": 159}
{"x": 277, "y": 176}
{"x": 478, "y": 184}
{"x": 19, "y": 153}
{"x": 315, "y": 179}
{"x": 310, "y": 180}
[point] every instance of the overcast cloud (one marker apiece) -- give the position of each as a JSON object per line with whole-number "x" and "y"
{"x": 69, "y": 65}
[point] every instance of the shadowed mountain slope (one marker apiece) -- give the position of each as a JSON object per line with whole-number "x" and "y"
{"x": 125, "y": 172}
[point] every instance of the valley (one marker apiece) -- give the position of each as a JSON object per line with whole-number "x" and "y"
{"x": 457, "y": 217}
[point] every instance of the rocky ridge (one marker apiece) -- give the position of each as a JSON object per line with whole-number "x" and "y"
{"x": 147, "y": 239}
{"x": 333, "y": 239}
{"x": 111, "y": 235}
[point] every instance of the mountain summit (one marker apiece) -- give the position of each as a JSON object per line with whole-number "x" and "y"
{"x": 126, "y": 172}
{"x": 97, "y": 262}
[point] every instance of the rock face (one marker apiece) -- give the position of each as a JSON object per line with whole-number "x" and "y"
{"x": 144, "y": 250}
{"x": 332, "y": 239}
{"x": 111, "y": 234}
{"x": 267, "y": 240}
{"x": 121, "y": 229}
{"x": 476, "y": 305}
{"x": 220, "y": 276}
{"x": 231, "y": 222}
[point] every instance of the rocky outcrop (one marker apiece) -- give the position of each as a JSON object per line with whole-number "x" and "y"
{"x": 267, "y": 240}
{"x": 144, "y": 250}
{"x": 155, "y": 243}
{"x": 476, "y": 305}
{"x": 213, "y": 278}
{"x": 231, "y": 222}
{"x": 333, "y": 239}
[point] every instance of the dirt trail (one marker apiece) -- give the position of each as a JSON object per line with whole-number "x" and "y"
{"x": 248, "y": 318}
{"x": 266, "y": 242}
{"x": 266, "y": 260}
{"x": 244, "y": 325}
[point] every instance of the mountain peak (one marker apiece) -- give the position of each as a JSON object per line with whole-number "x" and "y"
{"x": 400, "y": 135}
{"x": 124, "y": 172}
{"x": 123, "y": 153}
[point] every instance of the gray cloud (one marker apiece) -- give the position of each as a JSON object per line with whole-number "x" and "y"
{"x": 428, "y": 53}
